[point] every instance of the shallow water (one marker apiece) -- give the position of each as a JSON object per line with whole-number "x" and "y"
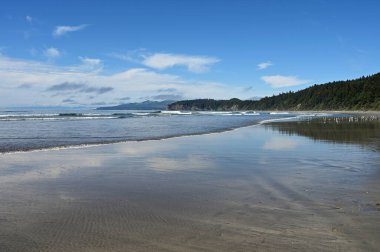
{"x": 30, "y": 130}
{"x": 281, "y": 186}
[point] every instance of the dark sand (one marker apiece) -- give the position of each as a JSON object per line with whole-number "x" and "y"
{"x": 264, "y": 188}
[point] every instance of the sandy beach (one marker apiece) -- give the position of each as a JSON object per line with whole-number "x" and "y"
{"x": 189, "y": 126}
{"x": 259, "y": 188}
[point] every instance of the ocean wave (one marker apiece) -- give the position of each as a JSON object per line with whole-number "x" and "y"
{"x": 70, "y": 114}
{"x": 229, "y": 113}
{"x": 214, "y": 112}
{"x": 57, "y": 118}
{"x": 26, "y": 115}
{"x": 279, "y": 113}
{"x": 141, "y": 114}
{"x": 175, "y": 112}
{"x": 83, "y": 116}
{"x": 118, "y": 115}
{"x": 250, "y": 113}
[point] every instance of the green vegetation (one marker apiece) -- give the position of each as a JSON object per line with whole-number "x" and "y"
{"x": 358, "y": 94}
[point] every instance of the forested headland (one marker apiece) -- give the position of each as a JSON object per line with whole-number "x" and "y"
{"x": 358, "y": 94}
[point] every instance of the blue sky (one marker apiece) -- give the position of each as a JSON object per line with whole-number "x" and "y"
{"x": 92, "y": 53}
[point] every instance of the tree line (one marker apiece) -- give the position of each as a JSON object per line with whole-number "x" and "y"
{"x": 358, "y": 94}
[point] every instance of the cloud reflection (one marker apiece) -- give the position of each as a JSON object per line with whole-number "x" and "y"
{"x": 165, "y": 164}
{"x": 144, "y": 148}
{"x": 33, "y": 166}
{"x": 280, "y": 144}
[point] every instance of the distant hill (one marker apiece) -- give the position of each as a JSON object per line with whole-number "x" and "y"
{"x": 146, "y": 105}
{"x": 358, "y": 94}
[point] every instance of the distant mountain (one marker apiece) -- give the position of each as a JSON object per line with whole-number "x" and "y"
{"x": 359, "y": 94}
{"x": 146, "y": 105}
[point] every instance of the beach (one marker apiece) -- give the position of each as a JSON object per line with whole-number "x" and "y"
{"x": 294, "y": 186}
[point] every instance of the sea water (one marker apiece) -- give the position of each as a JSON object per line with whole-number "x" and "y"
{"x": 23, "y": 130}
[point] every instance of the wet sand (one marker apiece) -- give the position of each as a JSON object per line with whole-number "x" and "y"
{"x": 261, "y": 188}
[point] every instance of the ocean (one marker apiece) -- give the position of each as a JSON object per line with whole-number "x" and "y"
{"x": 24, "y": 130}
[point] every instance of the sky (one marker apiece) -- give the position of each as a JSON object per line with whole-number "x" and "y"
{"x": 91, "y": 53}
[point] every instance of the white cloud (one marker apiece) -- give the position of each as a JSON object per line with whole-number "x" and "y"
{"x": 52, "y": 53}
{"x": 90, "y": 64}
{"x": 90, "y": 61}
{"x": 136, "y": 56}
{"x": 29, "y": 19}
{"x": 195, "y": 64}
{"x": 278, "y": 81}
{"x": 264, "y": 65}
{"x": 134, "y": 83}
{"x": 63, "y": 29}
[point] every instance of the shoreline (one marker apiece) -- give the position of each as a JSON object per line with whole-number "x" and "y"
{"x": 296, "y": 118}
{"x": 90, "y": 145}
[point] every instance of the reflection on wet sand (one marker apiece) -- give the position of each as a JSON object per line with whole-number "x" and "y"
{"x": 253, "y": 189}
{"x": 280, "y": 143}
{"x": 356, "y": 130}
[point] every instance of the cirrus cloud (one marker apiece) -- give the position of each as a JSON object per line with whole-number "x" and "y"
{"x": 63, "y": 29}
{"x": 279, "y": 81}
{"x": 196, "y": 64}
{"x": 264, "y": 65}
{"x": 90, "y": 61}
